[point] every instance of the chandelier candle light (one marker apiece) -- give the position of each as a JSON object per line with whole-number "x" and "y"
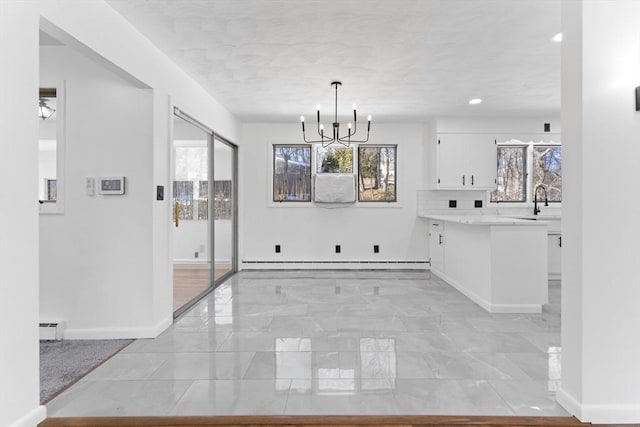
{"x": 345, "y": 139}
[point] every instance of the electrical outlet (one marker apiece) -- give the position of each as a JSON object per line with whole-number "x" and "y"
{"x": 277, "y": 249}
{"x": 477, "y": 204}
{"x": 337, "y": 249}
{"x": 376, "y": 249}
{"x": 453, "y": 203}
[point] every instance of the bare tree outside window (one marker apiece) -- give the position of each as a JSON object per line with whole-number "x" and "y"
{"x": 547, "y": 170}
{"x": 51, "y": 190}
{"x": 291, "y": 173}
{"x": 222, "y": 199}
{"x": 377, "y": 173}
{"x": 512, "y": 176}
{"x": 203, "y": 200}
{"x": 183, "y": 195}
{"x": 334, "y": 160}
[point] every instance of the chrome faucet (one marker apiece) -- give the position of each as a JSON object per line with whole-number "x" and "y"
{"x": 536, "y": 210}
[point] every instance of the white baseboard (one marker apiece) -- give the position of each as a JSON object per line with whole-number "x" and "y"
{"x": 199, "y": 261}
{"x": 599, "y": 414}
{"x": 117, "y": 333}
{"x": 490, "y": 307}
{"x": 31, "y": 419}
{"x": 191, "y": 261}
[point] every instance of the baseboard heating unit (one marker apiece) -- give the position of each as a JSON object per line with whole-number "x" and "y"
{"x": 382, "y": 265}
{"x": 51, "y": 331}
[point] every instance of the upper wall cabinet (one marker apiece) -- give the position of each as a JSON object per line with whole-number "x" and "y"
{"x": 466, "y": 161}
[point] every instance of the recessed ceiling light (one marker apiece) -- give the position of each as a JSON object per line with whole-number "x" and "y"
{"x": 557, "y": 38}
{"x": 475, "y": 101}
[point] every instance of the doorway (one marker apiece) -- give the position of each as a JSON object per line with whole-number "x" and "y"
{"x": 204, "y": 210}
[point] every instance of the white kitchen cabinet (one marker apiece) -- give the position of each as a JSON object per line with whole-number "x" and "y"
{"x": 436, "y": 244}
{"x": 499, "y": 263}
{"x": 466, "y": 161}
{"x": 554, "y": 250}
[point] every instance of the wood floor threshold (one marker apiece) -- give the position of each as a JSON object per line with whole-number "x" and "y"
{"x": 313, "y": 421}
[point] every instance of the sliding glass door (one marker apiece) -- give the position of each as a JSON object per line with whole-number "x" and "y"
{"x": 204, "y": 210}
{"x": 192, "y": 231}
{"x": 224, "y": 208}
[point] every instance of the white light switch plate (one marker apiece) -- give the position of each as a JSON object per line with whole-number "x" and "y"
{"x": 91, "y": 186}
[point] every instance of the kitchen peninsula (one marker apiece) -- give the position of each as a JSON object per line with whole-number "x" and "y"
{"x": 499, "y": 263}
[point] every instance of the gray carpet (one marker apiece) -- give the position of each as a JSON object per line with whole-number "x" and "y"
{"x": 64, "y": 362}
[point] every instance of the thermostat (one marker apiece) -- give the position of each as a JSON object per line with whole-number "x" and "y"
{"x": 111, "y": 185}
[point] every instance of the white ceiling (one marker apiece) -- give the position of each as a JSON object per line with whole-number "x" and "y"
{"x": 399, "y": 60}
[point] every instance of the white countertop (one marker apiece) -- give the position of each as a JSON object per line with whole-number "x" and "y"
{"x": 485, "y": 219}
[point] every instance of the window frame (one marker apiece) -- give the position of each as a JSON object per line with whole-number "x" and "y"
{"x": 318, "y": 147}
{"x": 525, "y": 173}
{"x": 273, "y": 173}
{"x": 540, "y": 145}
{"x": 395, "y": 173}
{"x": 529, "y": 167}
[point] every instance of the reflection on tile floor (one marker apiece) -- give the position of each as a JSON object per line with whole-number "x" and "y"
{"x": 333, "y": 342}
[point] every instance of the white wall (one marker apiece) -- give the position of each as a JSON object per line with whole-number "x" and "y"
{"x": 308, "y": 232}
{"x": 83, "y": 25}
{"x": 498, "y": 125}
{"x": 19, "y": 358}
{"x": 99, "y": 252}
{"x": 46, "y": 165}
{"x": 501, "y": 128}
{"x": 601, "y": 249}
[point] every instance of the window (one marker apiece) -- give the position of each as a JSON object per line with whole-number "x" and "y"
{"x": 547, "y": 170}
{"x": 222, "y": 200}
{"x": 291, "y": 173}
{"x": 512, "y": 177}
{"x": 191, "y": 186}
{"x": 203, "y": 200}
{"x": 522, "y": 167}
{"x": 334, "y": 159}
{"x": 377, "y": 173}
{"x": 183, "y": 195}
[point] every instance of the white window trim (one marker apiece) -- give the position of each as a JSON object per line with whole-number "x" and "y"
{"x": 57, "y": 207}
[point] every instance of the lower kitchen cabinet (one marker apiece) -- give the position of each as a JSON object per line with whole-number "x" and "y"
{"x": 436, "y": 244}
{"x": 554, "y": 249}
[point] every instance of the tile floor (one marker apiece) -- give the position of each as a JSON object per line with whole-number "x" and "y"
{"x": 333, "y": 342}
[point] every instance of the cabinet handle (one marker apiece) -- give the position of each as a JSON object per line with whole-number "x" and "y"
{"x": 436, "y": 224}
{"x": 440, "y": 239}
{"x": 463, "y": 179}
{"x": 560, "y": 241}
{"x": 471, "y": 179}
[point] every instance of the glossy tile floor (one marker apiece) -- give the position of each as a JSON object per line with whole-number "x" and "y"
{"x": 333, "y": 342}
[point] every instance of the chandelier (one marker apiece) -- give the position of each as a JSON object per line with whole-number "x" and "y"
{"x": 336, "y": 137}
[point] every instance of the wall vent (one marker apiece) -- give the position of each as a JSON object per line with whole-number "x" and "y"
{"x": 51, "y": 331}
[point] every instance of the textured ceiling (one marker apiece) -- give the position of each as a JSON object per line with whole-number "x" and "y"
{"x": 399, "y": 60}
